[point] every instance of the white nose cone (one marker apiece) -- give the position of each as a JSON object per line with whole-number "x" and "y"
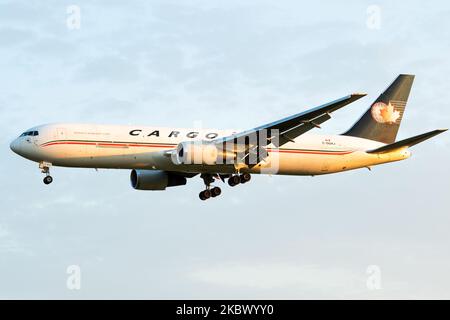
{"x": 14, "y": 146}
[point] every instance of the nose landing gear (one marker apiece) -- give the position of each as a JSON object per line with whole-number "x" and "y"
{"x": 45, "y": 168}
{"x": 48, "y": 179}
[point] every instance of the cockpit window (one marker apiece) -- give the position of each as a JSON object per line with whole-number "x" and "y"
{"x": 30, "y": 133}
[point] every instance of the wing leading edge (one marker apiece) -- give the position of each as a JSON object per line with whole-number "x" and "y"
{"x": 291, "y": 127}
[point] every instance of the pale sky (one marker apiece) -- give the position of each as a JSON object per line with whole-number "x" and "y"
{"x": 224, "y": 64}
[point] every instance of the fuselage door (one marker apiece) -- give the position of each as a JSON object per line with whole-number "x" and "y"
{"x": 60, "y": 134}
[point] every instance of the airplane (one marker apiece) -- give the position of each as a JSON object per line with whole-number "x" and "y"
{"x": 162, "y": 157}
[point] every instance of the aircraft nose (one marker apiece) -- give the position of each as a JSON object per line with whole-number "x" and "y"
{"x": 15, "y": 146}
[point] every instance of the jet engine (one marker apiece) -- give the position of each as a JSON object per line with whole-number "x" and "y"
{"x": 196, "y": 153}
{"x": 155, "y": 179}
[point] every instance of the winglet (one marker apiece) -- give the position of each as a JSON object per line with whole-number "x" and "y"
{"x": 407, "y": 142}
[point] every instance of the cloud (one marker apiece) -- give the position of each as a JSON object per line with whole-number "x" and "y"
{"x": 108, "y": 68}
{"x": 13, "y": 36}
{"x": 279, "y": 275}
{"x": 8, "y": 243}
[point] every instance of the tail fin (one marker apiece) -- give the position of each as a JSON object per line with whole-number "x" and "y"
{"x": 407, "y": 142}
{"x": 382, "y": 120}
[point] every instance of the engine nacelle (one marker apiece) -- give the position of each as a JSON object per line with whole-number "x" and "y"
{"x": 196, "y": 153}
{"x": 155, "y": 179}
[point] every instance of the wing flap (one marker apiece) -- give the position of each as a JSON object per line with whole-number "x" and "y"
{"x": 308, "y": 115}
{"x": 305, "y": 126}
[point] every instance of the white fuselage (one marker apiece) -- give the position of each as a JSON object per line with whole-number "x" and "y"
{"x": 139, "y": 147}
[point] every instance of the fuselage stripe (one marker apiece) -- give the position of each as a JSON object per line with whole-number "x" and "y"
{"x": 109, "y": 144}
{"x": 165, "y": 146}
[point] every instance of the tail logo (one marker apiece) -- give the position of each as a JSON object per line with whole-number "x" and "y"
{"x": 384, "y": 113}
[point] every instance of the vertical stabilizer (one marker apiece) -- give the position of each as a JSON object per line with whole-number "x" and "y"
{"x": 382, "y": 120}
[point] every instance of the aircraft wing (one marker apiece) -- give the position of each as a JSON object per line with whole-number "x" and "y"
{"x": 288, "y": 128}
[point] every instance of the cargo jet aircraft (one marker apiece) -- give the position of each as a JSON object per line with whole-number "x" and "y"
{"x": 166, "y": 157}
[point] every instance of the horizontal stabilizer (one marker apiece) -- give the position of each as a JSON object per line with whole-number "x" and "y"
{"x": 407, "y": 142}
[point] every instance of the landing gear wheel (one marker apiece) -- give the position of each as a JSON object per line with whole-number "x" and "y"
{"x": 234, "y": 180}
{"x": 204, "y": 195}
{"x": 48, "y": 179}
{"x": 207, "y": 193}
{"x": 245, "y": 177}
{"x": 45, "y": 168}
{"x": 216, "y": 191}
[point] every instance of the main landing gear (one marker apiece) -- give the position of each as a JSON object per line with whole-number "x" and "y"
{"x": 209, "y": 192}
{"x": 237, "y": 179}
{"x": 45, "y": 168}
{"x": 233, "y": 180}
